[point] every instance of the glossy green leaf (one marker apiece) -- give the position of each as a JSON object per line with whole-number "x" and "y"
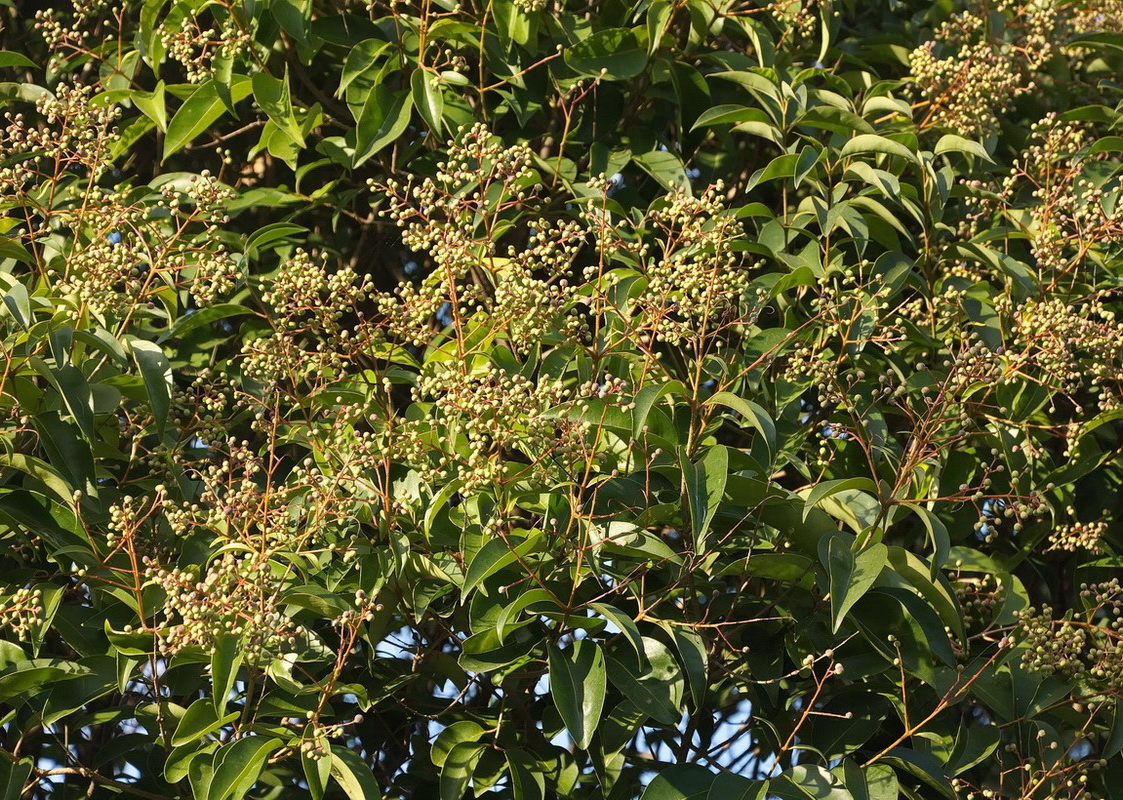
{"x": 155, "y": 369}
{"x": 10, "y": 59}
{"x": 577, "y": 684}
{"x": 705, "y": 485}
{"x": 273, "y": 97}
{"x": 615, "y": 53}
{"x": 225, "y": 662}
{"x": 680, "y": 782}
{"x": 427, "y": 98}
{"x": 850, "y": 574}
{"x": 457, "y": 771}
{"x": 384, "y": 118}
{"x": 199, "y": 721}
{"x": 202, "y": 109}
{"x": 665, "y": 167}
{"x": 353, "y": 774}
{"x": 870, "y": 143}
{"x": 750, "y": 412}
{"x": 237, "y": 766}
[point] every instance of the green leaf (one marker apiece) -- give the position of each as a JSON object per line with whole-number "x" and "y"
{"x": 427, "y": 98}
{"x": 626, "y": 625}
{"x": 867, "y": 143}
{"x": 384, "y": 117}
{"x": 202, "y": 317}
{"x": 752, "y": 413}
{"x": 665, "y": 167}
{"x": 456, "y": 772}
{"x": 730, "y": 114}
{"x": 199, "y": 720}
{"x": 693, "y": 658}
{"x": 10, "y": 59}
{"x": 935, "y": 589}
{"x": 1113, "y": 745}
{"x": 577, "y": 685}
{"x": 646, "y": 398}
{"x": 923, "y": 766}
{"x": 657, "y": 690}
{"x": 836, "y": 120}
{"x": 200, "y": 773}
{"x": 238, "y": 765}
{"x": 727, "y": 786}
{"x": 28, "y": 678}
{"x": 821, "y": 491}
{"x": 705, "y": 486}
{"x": 1105, "y": 40}
{"x": 937, "y": 534}
{"x": 272, "y": 96}
{"x": 616, "y": 53}
{"x": 493, "y": 556}
{"x": 484, "y": 651}
{"x": 850, "y": 574}
{"x": 14, "y": 776}
{"x": 156, "y": 371}
{"x": 362, "y": 57}
{"x": 457, "y": 733}
{"x": 353, "y": 774}
{"x": 809, "y": 782}
{"x": 76, "y": 395}
{"x": 950, "y": 143}
{"x": 527, "y": 781}
{"x": 202, "y": 109}
{"x": 317, "y": 770}
{"x": 680, "y": 782}
{"x": 153, "y": 105}
{"x": 18, "y": 303}
{"x": 511, "y": 612}
{"x": 41, "y": 471}
{"x": 225, "y": 661}
{"x": 293, "y": 17}
{"x": 972, "y": 746}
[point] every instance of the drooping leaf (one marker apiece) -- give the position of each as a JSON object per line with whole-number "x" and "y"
{"x": 577, "y": 683}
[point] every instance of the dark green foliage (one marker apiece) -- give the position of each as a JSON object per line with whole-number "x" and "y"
{"x": 527, "y": 399}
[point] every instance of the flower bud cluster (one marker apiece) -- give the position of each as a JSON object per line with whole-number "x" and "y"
{"x": 486, "y": 420}
{"x": 1069, "y": 214}
{"x": 85, "y": 16}
{"x": 695, "y": 280}
{"x": 970, "y": 72}
{"x": 450, "y": 216}
{"x": 202, "y": 406}
{"x": 1072, "y": 347}
{"x": 235, "y": 594}
{"x": 22, "y": 612}
{"x": 1086, "y": 645}
{"x": 533, "y": 297}
{"x": 284, "y": 357}
{"x": 1099, "y": 16}
{"x": 76, "y": 135}
{"x": 364, "y": 611}
{"x": 314, "y": 743}
{"x": 130, "y": 524}
{"x": 1078, "y": 536}
{"x": 305, "y": 294}
{"x": 196, "y": 45}
{"x": 980, "y": 598}
{"x": 237, "y": 504}
{"x": 799, "y": 18}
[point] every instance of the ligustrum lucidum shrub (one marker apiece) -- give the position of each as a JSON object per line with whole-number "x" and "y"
{"x": 532, "y": 399}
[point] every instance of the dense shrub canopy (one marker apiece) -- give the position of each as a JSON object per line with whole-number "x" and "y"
{"x": 535, "y": 399}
